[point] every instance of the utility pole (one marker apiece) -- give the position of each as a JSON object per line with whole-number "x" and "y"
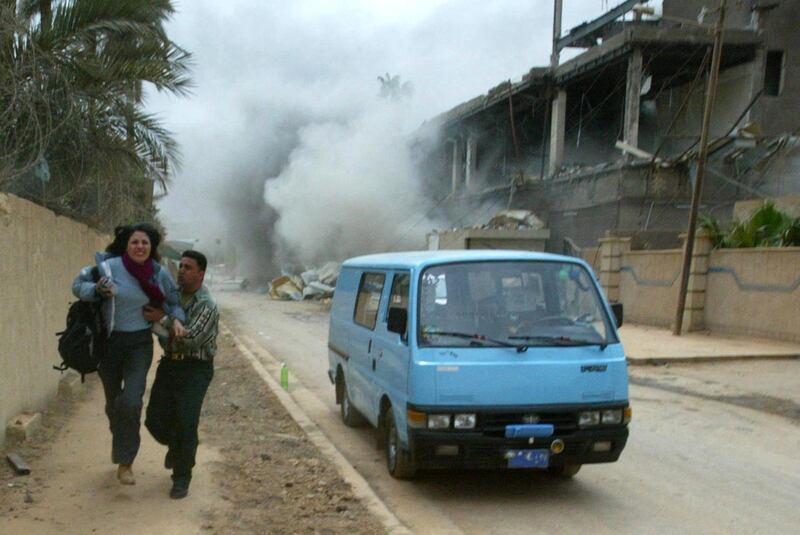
{"x": 702, "y": 154}
{"x": 557, "y": 10}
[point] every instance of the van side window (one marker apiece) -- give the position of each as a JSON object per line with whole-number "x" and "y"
{"x": 399, "y": 296}
{"x": 369, "y": 298}
{"x": 398, "y": 299}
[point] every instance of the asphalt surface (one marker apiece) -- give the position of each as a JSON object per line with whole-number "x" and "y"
{"x": 695, "y": 461}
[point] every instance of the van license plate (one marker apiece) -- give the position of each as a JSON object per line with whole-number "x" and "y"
{"x": 528, "y": 458}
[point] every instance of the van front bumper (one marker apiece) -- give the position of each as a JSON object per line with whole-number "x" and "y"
{"x": 474, "y": 450}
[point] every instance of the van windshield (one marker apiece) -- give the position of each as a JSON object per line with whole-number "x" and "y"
{"x": 534, "y": 303}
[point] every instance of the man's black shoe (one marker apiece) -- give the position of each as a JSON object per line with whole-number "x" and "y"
{"x": 178, "y": 491}
{"x": 169, "y": 462}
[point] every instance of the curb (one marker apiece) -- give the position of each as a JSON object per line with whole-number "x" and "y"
{"x": 661, "y": 361}
{"x": 360, "y": 486}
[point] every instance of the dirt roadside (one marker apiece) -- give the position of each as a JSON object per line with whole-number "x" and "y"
{"x": 257, "y": 472}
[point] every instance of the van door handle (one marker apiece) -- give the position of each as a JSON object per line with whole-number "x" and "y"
{"x": 373, "y": 364}
{"x": 369, "y": 347}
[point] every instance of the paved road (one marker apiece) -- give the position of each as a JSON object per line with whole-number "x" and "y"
{"x": 692, "y": 463}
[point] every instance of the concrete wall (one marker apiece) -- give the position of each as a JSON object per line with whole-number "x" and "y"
{"x": 40, "y": 254}
{"x": 743, "y": 291}
{"x": 649, "y": 283}
{"x": 522, "y": 239}
{"x": 775, "y": 114}
{"x": 754, "y": 291}
{"x": 733, "y": 96}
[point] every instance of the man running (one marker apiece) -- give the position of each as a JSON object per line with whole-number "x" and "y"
{"x": 184, "y": 373}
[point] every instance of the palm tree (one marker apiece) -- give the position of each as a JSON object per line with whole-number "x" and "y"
{"x": 83, "y": 64}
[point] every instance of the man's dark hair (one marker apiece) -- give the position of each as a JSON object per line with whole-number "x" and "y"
{"x": 122, "y": 234}
{"x": 198, "y": 257}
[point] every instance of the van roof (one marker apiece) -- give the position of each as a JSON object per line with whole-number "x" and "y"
{"x": 422, "y": 259}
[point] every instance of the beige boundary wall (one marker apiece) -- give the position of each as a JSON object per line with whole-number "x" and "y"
{"x": 743, "y": 291}
{"x": 754, "y": 292}
{"x": 40, "y": 254}
{"x": 649, "y": 283}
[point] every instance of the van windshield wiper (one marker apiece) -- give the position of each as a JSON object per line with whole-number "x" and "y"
{"x": 476, "y": 338}
{"x": 558, "y": 341}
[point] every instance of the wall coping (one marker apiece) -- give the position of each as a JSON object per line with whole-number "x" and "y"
{"x": 753, "y": 250}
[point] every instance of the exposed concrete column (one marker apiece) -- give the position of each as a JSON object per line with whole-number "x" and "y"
{"x": 558, "y": 119}
{"x": 472, "y": 159}
{"x": 611, "y": 250}
{"x": 633, "y": 90}
{"x": 694, "y": 309}
{"x": 458, "y": 164}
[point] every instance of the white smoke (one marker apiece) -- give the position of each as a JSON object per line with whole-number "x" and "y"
{"x": 286, "y": 103}
{"x": 351, "y": 188}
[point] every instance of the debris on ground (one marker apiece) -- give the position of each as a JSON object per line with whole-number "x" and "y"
{"x": 317, "y": 284}
{"x": 515, "y": 219}
{"x": 309, "y": 276}
{"x": 231, "y": 284}
{"x": 19, "y": 465}
{"x": 317, "y": 290}
{"x": 285, "y": 289}
{"x": 329, "y": 273}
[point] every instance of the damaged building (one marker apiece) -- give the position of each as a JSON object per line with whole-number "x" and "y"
{"x": 607, "y": 141}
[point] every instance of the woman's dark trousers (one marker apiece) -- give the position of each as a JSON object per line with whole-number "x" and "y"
{"x": 173, "y": 411}
{"x": 124, "y": 375}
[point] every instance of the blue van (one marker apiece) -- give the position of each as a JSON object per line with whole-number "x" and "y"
{"x": 480, "y": 359}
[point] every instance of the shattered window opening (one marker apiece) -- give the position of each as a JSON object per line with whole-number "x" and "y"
{"x": 773, "y": 75}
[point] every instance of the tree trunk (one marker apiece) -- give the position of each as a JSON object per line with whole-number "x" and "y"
{"x": 46, "y": 13}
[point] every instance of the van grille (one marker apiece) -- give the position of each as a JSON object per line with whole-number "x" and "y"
{"x": 494, "y": 423}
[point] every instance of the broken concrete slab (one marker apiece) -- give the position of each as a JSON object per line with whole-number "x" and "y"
{"x": 284, "y": 288}
{"x": 317, "y": 290}
{"x": 329, "y": 273}
{"x": 23, "y": 426}
{"x": 309, "y": 276}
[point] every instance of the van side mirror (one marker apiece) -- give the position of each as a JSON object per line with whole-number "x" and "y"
{"x": 397, "y": 321}
{"x": 616, "y": 308}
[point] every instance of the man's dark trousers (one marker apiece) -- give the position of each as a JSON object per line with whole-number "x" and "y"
{"x": 173, "y": 412}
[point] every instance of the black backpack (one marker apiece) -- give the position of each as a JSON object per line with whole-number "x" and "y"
{"x": 83, "y": 343}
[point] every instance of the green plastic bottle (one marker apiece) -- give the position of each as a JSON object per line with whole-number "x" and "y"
{"x": 285, "y": 376}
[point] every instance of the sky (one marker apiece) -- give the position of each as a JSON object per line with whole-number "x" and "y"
{"x": 285, "y": 111}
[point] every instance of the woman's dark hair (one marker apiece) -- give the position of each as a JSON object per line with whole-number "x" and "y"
{"x": 123, "y": 233}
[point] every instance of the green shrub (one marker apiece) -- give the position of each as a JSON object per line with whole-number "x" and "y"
{"x": 766, "y": 227}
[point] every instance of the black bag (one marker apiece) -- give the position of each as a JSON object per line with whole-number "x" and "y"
{"x": 83, "y": 343}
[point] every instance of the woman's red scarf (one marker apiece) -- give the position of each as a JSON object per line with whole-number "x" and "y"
{"x": 144, "y": 274}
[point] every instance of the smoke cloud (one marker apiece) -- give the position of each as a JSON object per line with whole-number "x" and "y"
{"x": 350, "y": 188}
{"x": 289, "y": 153}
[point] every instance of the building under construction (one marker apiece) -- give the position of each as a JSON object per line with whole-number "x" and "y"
{"x": 607, "y": 141}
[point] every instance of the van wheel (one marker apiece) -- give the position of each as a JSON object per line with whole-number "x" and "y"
{"x": 565, "y": 471}
{"x": 350, "y": 415}
{"x": 398, "y": 461}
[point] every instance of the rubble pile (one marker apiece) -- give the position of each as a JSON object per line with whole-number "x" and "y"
{"x": 309, "y": 284}
{"x": 513, "y": 220}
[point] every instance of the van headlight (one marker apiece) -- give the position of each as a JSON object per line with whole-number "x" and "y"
{"x": 613, "y": 416}
{"x": 464, "y": 421}
{"x": 588, "y": 418}
{"x": 438, "y": 421}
